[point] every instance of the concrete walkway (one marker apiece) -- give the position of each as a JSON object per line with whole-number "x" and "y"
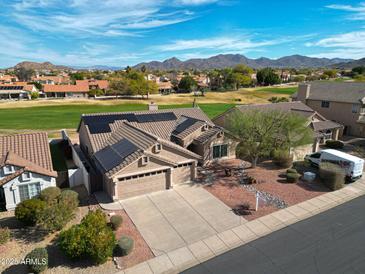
{"x": 195, "y": 253}
{"x": 173, "y": 218}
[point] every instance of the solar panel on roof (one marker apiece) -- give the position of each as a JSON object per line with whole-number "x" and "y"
{"x": 100, "y": 123}
{"x": 155, "y": 117}
{"x": 111, "y": 156}
{"x": 108, "y": 158}
{"x": 184, "y": 125}
{"x": 124, "y": 148}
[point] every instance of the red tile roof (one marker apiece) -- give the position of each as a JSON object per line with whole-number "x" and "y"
{"x": 66, "y": 88}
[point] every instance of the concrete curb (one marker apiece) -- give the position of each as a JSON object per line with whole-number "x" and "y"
{"x": 185, "y": 257}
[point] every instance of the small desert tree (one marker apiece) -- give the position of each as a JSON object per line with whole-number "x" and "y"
{"x": 295, "y": 131}
{"x": 257, "y": 132}
{"x": 260, "y": 132}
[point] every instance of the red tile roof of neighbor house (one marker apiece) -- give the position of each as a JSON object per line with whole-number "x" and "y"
{"x": 102, "y": 84}
{"x": 56, "y": 79}
{"x": 29, "y": 151}
{"x": 16, "y": 86}
{"x": 66, "y": 88}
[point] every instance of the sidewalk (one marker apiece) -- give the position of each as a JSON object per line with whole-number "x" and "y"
{"x": 185, "y": 257}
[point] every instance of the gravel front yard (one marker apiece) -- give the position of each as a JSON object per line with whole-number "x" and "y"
{"x": 25, "y": 239}
{"x": 232, "y": 193}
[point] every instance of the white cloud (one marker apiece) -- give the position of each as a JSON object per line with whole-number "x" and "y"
{"x": 358, "y": 11}
{"x": 346, "y": 45}
{"x": 100, "y": 17}
{"x": 194, "y": 2}
{"x": 225, "y": 43}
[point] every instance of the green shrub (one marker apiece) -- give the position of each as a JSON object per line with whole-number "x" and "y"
{"x": 50, "y": 194}
{"x": 54, "y": 217}
{"x": 91, "y": 238}
{"x": 292, "y": 177}
{"x": 37, "y": 260}
{"x": 116, "y": 221}
{"x": 4, "y": 235}
{"x": 332, "y": 175}
{"x": 335, "y": 144}
{"x": 72, "y": 241}
{"x": 282, "y": 158}
{"x": 70, "y": 198}
{"x": 291, "y": 170}
{"x": 28, "y": 211}
{"x": 34, "y": 95}
{"x": 125, "y": 245}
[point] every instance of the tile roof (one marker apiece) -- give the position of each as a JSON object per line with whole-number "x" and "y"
{"x": 296, "y": 107}
{"x": 65, "y": 88}
{"x": 140, "y": 128}
{"x": 102, "y": 84}
{"x": 324, "y": 125}
{"x": 29, "y": 151}
{"x": 347, "y": 92}
{"x": 208, "y": 135}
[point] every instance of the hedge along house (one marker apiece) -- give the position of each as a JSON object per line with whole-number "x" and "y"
{"x": 323, "y": 129}
{"x": 25, "y": 167}
{"x": 140, "y": 152}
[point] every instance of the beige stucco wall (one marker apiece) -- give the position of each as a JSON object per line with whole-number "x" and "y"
{"x": 341, "y": 113}
{"x": 84, "y": 140}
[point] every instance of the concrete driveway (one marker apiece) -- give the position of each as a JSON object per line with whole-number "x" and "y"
{"x": 183, "y": 215}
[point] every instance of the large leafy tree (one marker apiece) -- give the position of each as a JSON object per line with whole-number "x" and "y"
{"x": 187, "y": 83}
{"x": 261, "y": 132}
{"x": 267, "y": 76}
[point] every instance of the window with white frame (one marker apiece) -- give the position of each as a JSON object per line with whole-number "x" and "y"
{"x": 220, "y": 151}
{"x": 8, "y": 169}
{"x": 29, "y": 191}
{"x": 158, "y": 147}
{"x": 26, "y": 176}
{"x": 145, "y": 160}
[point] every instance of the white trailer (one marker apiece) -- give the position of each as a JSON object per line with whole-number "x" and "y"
{"x": 352, "y": 165}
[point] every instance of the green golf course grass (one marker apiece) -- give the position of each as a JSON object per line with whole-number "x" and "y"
{"x": 288, "y": 91}
{"x": 68, "y": 116}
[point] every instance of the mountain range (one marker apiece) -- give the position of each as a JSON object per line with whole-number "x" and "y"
{"x": 218, "y": 61}
{"x": 230, "y": 60}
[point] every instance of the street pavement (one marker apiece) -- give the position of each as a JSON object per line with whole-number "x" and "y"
{"x": 330, "y": 242}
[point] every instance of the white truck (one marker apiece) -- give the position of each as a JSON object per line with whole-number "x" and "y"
{"x": 352, "y": 165}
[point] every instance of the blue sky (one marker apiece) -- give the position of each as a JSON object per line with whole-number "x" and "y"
{"x": 126, "y": 32}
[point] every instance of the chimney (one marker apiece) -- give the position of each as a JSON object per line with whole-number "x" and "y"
{"x": 303, "y": 92}
{"x": 152, "y": 106}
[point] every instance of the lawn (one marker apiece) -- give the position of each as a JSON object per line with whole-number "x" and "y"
{"x": 287, "y": 91}
{"x": 68, "y": 116}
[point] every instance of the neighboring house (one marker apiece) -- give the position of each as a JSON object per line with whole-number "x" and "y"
{"x": 340, "y": 102}
{"x": 16, "y": 90}
{"x": 25, "y": 167}
{"x": 7, "y": 79}
{"x": 165, "y": 87}
{"x": 51, "y": 80}
{"x": 94, "y": 84}
{"x": 324, "y": 129}
{"x": 63, "y": 91}
{"x": 140, "y": 152}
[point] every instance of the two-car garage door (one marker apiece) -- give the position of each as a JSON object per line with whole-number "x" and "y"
{"x": 142, "y": 184}
{"x": 152, "y": 181}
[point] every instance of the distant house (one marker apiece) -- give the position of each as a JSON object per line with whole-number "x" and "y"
{"x": 25, "y": 167}
{"x": 324, "y": 129}
{"x": 165, "y": 87}
{"x": 7, "y": 79}
{"x": 94, "y": 84}
{"x": 66, "y": 91}
{"x": 135, "y": 153}
{"x": 340, "y": 102}
{"x": 16, "y": 91}
{"x": 51, "y": 80}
